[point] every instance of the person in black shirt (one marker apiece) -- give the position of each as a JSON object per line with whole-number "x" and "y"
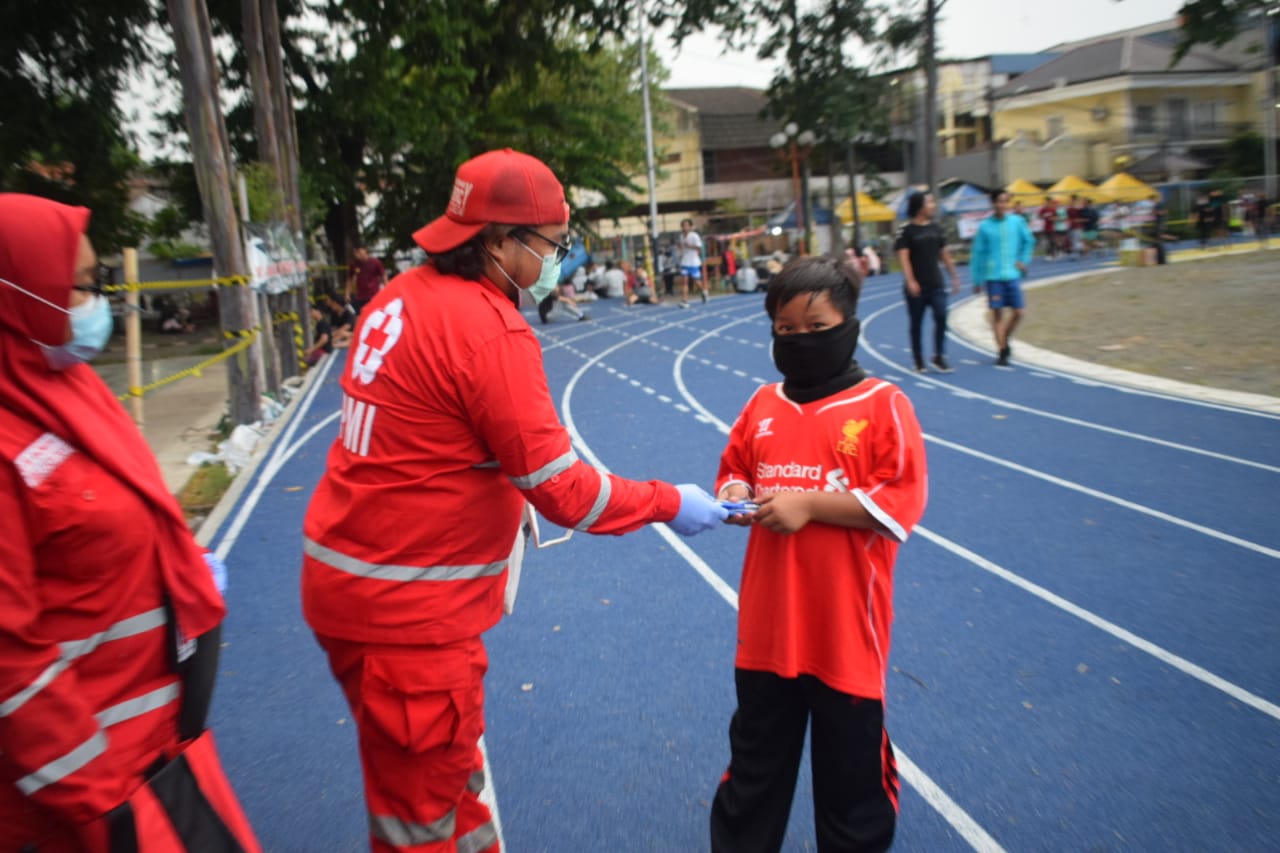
{"x": 342, "y": 319}
{"x": 920, "y": 245}
{"x": 323, "y": 336}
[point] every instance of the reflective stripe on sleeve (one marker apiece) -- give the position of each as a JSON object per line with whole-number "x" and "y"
{"x": 17, "y": 700}
{"x": 73, "y": 649}
{"x": 482, "y": 837}
{"x": 602, "y": 500}
{"x": 130, "y": 627}
{"x": 546, "y": 472}
{"x": 138, "y": 705}
{"x": 403, "y": 833}
{"x": 391, "y": 572}
{"x": 60, "y": 768}
{"x": 476, "y": 783}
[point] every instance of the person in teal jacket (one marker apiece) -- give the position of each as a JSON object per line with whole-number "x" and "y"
{"x": 1001, "y": 251}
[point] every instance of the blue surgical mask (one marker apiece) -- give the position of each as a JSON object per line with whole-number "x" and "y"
{"x": 91, "y": 325}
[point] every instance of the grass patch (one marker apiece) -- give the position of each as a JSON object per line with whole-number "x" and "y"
{"x": 204, "y": 489}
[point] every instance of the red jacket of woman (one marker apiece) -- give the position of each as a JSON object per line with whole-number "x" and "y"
{"x": 93, "y": 546}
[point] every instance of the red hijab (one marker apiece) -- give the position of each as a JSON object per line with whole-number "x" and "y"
{"x": 39, "y": 240}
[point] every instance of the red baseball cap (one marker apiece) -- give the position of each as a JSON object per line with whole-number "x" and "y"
{"x": 504, "y": 187}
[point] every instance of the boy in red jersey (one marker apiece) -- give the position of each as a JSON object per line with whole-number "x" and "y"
{"x": 835, "y": 460}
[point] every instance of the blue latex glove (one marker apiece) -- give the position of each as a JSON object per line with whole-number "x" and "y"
{"x": 698, "y": 511}
{"x": 218, "y": 569}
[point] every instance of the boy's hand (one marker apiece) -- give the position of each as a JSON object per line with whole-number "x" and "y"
{"x": 784, "y": 512}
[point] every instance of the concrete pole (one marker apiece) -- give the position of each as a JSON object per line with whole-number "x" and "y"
{"x": 133, "y": 335}
{"x": 650, "y": 255}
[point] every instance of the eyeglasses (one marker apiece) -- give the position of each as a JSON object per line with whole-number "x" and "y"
{"x": 562, "y": 251}
{"x": 101, "y": 278}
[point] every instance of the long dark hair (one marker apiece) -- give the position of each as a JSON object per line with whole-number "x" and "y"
{"x": 915, "y": 204}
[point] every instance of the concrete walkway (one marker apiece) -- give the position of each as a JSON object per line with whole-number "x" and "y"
{"x": 968, "y": 319}
{"x": 179, "y": 418}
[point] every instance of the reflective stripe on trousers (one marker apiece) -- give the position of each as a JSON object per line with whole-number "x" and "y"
{"x": 405, "y": 834}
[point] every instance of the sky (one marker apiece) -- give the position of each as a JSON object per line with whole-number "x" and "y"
{"x": 969, "y": 28}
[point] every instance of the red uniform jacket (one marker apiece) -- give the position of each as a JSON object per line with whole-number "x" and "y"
{"x": 447, "y": 428}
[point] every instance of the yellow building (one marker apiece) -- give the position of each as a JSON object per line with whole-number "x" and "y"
{"x": 1105, "y": 104}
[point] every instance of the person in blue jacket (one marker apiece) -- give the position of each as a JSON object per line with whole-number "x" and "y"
{"x": 1001, "y": 251}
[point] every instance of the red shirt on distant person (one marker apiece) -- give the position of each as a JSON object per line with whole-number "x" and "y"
{"x": 368, "y": 275}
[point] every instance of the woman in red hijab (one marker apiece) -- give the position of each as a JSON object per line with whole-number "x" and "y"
{"x": 108, "y": 611}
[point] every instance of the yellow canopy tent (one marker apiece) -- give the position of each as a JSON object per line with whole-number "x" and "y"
{"x": 1071, "y": 185}
{"x": 869, "y": 210}
{"x": 1025, "y": 190}
{"x": 1125, "y": 187}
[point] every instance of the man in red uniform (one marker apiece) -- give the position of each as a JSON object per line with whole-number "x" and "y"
{"x": 108, "y": 613}
{"x": 448, "y": 429}
{"x": 835, "y": 461}
{"x": 1048, "y": 227}
{"x": 367, "y": 276}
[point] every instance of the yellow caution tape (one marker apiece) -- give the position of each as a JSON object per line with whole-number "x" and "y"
{"x": 186, "y": 284}
{"x": 194, "y": 370}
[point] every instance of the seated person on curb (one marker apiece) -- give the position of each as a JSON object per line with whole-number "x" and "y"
{"x": 567, "y": 295}
{"x": 613, "y": 283}
{"x": 324, "y": 336}
{"x": 642, "y": 291}
{"x": 342, "y": 319}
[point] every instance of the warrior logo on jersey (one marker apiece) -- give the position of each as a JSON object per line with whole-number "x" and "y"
{"x": 849, "y": 436}
{"x": 763, "y": 427}
{"x": 377, "y": 336}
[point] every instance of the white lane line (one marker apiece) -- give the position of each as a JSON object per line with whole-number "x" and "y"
{"x": 1109, "y": 498}
{"x": 1195, "y": 671}
{"x": 1018, "y": 407}
{"x": 957, "y": 817}
{"x": 228, "y": 538}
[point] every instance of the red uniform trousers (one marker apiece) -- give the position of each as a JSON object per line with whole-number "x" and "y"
{"x": 419, "y": 713}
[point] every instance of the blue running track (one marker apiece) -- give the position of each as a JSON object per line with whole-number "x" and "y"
{"x": 1085, "y": 655}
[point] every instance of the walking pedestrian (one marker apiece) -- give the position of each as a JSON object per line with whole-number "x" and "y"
{"x": 817, "y": 580}
{"x": 366, "y": 276}
{"x": 690, "y": 262}
{"x": 449, "y": 432}
{"x": 1001, "y": 251}
{"x": 920, "y": 246}
{"x": 110, "y": 614}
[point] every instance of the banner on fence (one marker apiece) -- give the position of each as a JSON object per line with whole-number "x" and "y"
{"x": 276, "y": 259}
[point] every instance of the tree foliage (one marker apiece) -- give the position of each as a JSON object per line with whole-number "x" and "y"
{"x": 62, "y": 135}
{"x": 394, "y": 96}
{"x": 1217, "y": 22}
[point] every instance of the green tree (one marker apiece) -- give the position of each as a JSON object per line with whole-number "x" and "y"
{"x": 1219, "y": 21}
{"x": 396, "y": 95}
{"x": 63, "y": 136}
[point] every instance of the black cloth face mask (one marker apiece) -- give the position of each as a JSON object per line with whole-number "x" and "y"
{"x": 818, "y": 364}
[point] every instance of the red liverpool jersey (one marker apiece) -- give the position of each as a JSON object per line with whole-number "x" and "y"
{"x": 447, "y": 429}
{"x": 820, "y": 601}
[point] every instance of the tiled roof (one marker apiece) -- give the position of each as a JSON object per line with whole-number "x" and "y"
{"x": 1115, "y": 57}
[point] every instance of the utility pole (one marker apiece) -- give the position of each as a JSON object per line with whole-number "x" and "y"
{"x": 931, "y": 97}
{"x": 650, "y": 256}
{"x": 211, "y": 156}
{"x": 851, "y": 156}
{"x": 993, "y": 153}
{"x": 1270, "y": 107}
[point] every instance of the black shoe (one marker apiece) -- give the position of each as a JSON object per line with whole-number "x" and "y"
{"x": 583, "y": 316}
{"x": 543, "y": 311}
{"x": 941, "y": 365}
{"x": 919, "y": 368}
{"x": 1003, "y": 360}
{"x": 704, "y": 297}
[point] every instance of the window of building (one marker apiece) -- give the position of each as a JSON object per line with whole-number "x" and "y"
{"x": 709, "y": 167}
{"x": 1206, "y": 115}
{"x": 1177, "y": 108}
{"x": 1055, "y": 127}
{"x": 1144, "y": 118}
